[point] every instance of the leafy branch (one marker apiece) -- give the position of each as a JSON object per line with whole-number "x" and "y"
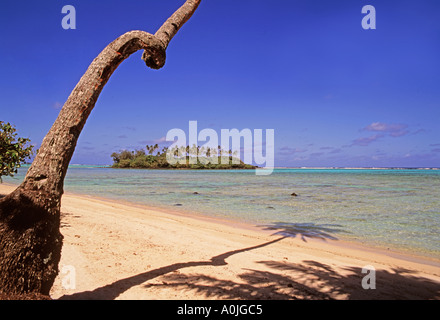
{"x": 13, "y": 151}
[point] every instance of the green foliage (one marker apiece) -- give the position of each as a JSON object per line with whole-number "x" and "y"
{"x": 185, "y": 158}
{"x": 13, "y": 151}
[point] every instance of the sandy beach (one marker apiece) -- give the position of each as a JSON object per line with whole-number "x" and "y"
{"x": 116, "y": 250}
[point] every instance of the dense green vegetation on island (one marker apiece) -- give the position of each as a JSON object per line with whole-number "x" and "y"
{"x": 178, "y": 158}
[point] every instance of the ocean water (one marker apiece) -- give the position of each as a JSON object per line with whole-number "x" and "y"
{"x": 395, "y": 208}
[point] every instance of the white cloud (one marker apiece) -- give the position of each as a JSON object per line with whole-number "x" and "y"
{"x": 365, "y": 141}
{"x": 290, "y": 151}
{"x": 394, "y": 130}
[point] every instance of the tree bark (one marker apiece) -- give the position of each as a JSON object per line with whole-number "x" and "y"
{"x": 30, "y": 239}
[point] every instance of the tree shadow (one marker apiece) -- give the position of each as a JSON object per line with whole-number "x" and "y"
{"x": 309, "y": 280}
{"x": 255, "y": 285}
{"x": 397, "y": 284}
{"x": 63, "y": 215}
{"x": 305, "y": 230}
{"x": 278, "y": 280}
{"x": 113, "y": 290}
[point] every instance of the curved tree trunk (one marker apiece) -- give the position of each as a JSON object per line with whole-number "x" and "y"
{"x": 30, "y": 239}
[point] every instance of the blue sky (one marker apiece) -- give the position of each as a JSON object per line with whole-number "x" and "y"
{"x": 335, "y": 94}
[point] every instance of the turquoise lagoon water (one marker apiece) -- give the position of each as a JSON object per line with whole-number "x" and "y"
{"x": 396, "y": 208}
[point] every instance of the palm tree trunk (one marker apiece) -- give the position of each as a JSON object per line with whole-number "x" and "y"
{"x": 30, "y": 239}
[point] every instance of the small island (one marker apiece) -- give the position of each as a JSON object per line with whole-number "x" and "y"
{"x": 194, "y": 157}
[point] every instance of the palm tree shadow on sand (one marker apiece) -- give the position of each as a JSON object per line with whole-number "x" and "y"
{"x": 113, "y": 290}
{"x": 305, "y": 230}
{"x": 279, "y": 280}
{"x": 309, "y": 280}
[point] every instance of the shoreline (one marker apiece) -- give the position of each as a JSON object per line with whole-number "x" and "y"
{"x": 247, "y": 226}
{"x": 129, "y": 251}
{"x": 383, "y": 249}
{"x": 409, "y": 254}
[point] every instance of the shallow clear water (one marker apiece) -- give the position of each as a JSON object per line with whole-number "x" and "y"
{"x": 388, "y": 208}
